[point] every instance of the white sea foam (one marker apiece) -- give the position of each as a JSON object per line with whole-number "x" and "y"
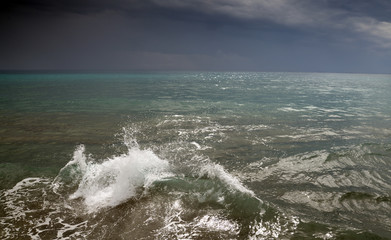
{"x": 20, "y": 190}
{"x": 176, "y": 227}
{"x": 118, "y": 178}
{"x": 290, "y": 109}
{"x": 312, "y": 134}
{"x": 217, "y": 171}
{"x": 216, "y": 223}
{"x": 74, "y": 169}
{"x": 196, "y": 144}
{"x": 31, "y": 211}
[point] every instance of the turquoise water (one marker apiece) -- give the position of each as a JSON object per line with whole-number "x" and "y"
{"x": 196, "y": 155}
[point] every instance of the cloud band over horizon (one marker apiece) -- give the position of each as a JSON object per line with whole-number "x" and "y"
{"x": 247, "y": 35}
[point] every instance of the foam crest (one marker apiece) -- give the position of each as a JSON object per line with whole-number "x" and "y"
{"x": 118, "y": 178}
{"x": 215, "y": 171}
{"x": 72, "y": 172}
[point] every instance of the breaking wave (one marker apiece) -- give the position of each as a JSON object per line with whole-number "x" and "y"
{"x": 155, "y": 197}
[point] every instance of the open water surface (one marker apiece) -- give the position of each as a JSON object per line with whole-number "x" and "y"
{"x": 195, "y": 156}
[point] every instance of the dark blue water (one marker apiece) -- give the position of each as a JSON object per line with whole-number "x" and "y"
{"x": 195, "y": 156}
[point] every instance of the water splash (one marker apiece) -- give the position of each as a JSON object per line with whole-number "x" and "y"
{"x": 118, "y": 178}
{"x": 163, "y": 197}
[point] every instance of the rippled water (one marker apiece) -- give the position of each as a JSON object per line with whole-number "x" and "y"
{"x": 195, "y": 156}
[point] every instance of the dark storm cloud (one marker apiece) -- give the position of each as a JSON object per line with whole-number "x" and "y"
{"x": 291, "y": 35}
{"x": 83, "y": 6}
{"x": 290, "y": 12}
{"x": 370, "y": 18}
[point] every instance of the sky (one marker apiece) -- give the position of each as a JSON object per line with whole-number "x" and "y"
{"x": 352, "y": 36}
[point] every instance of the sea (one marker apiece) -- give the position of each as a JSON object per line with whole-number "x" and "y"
{"x": 195, "y": 155}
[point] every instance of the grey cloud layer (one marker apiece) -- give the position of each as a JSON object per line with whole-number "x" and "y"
{"x": 293, "y": 13}
{"x": 270, "y": 35}
{"x": 368, "y": 20}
